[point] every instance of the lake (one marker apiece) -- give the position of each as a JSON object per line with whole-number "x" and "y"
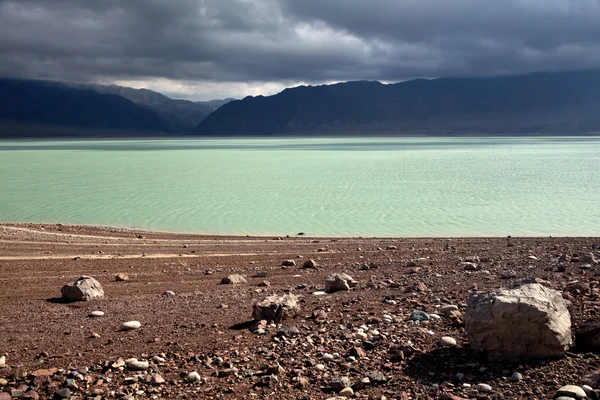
{"x": 535, "y": 186}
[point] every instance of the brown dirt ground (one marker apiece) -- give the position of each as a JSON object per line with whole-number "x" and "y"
{"x": 38, "y": 332}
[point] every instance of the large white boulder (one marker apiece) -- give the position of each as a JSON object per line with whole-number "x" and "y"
{"x": 84, "y": 288}
{"x": 523, "y": 323}
{"x": 276, "y": 308}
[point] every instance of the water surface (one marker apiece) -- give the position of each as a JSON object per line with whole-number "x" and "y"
{"x": 333, "y": 186}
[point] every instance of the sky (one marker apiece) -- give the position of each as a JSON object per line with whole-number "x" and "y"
{"x": 209, "y": 49}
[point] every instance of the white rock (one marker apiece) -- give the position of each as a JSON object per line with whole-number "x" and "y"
{"x": 571, "y": 391}
{"x": 96, "y": 314}
{"x": 320, "y": 367}
{"x": 529, "y": 322}
{"x": 158, "y": 360}
{"x": 319, "y": 293}
{"x": 516, "y": 377}
{"x": 169, "y": 293}
{"x": 3, "y": 360}
{"x": 130, "y": 325}
{"x": 192, "y": 377}
{"x": 276, "y": 308}
{"x": 447, "y": 341}
{"x": 137, "y": 365}
{"x": 484, "y": 388}
{"x": 587, "y": 389}
{"x": 434, "y": 316}
{"x": 361, "y": 335}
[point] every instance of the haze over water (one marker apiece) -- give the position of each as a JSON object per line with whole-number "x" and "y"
{"x": 324, "y": 186}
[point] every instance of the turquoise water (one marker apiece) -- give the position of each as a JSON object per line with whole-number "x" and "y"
{"x": 334, "y": 186}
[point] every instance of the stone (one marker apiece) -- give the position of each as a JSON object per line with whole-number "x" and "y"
{"x": 339, "y": 282}
{"x": 589, "y": 258}
{"x": 525, "y": 323}
{"x": 169, "y": 293}
{"x": 418, "y": 316}
{"x": 264, "y": 284}
{"x": 63, "y": 393}
{"x": 3, "y": 360}
{"x": 444, "y": 310}
{"x": 288, "y": 331}
{"x": 84, "y": 288}
{"x": 587, "y": 336}
{"x": 346, "y": 392}
{"x": 577, "y": 288}
{"x": 95, "y": 314}
{"x": 233, "y": 279}
{"x": 310, "y": 264}
{"x": 516, "y": 377}
{"x": 447, "y": 341}
{"x": 157, "y": 379}
{"x": 571, "y": 391}
{"x": 192, "y": 377}
{"x": 288, "y": 263}
{"x": 483, "y": 388}
{"x": 3, "y": 382}
{"x": 276, "y": 308}
{"x": 5, "y": 396}
{"x": 592, "y": 380}
{"x": 130, "y": 325}
{"x": 338, "y": 384}
{"x": 121, "y": 277}
{"x": 135, "y": 365}
{"x": 468, "y": 266}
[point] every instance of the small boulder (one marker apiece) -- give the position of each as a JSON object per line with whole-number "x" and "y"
{"x": 84, "y": 288}
{"x": 121, "y": 277}
{"x": 130, "y": 325}
{"x": 276, "y": 308}
{"x": 571, "y": 391}
{"x": 339, "y": 282}
{"x": 310, "y": 264}
{"x": 233, "y": 279}
{"x": 96, "y": 314}
{"x": 524, "y": 323}
{"x": 288, "y": 263}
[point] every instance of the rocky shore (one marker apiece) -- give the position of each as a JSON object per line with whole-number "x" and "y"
{"x": 189, "y": 316}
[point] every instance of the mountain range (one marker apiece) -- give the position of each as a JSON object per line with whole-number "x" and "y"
{"x": 539, "y": 103}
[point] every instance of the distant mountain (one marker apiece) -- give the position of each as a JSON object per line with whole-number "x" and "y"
{"x": 40, "y": 103}
{"x": 183, "y": 115}
{"x": 562, "y": 102}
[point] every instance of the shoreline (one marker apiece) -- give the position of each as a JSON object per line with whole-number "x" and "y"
{"x": 205, "y": 320}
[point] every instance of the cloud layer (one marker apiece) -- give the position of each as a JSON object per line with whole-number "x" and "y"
{"x": 215, "y": 48}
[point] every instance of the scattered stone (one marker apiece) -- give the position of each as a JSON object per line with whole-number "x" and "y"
{"x": 346, "y": 392}
{"x": 444, "y": 310}
{"x": 447, "y": 341}
{"x": 288, "y": 263}
{"x": 3, "y": 382}
{"x": 589, "y": 258}
{"x": 135, "y": 365}
{"x": 84, "y": 288}
{"x": 233, "y": 279}
{"x": 592, "y": 380}
{"x": 310, "y": 264}
{"x": 391, "y": 247}
{"x": 121, "y": 277}
{"x": 169, "y": 293}
{"x": 288, "y": 331}
{"x": 3, "y": 360}
{"x": 516, "y": 377}
{"x": 157, "y": 380}
{"x": 276, "y": 308}
{"x": 130, "y": 325}
{"x": 192, "y": 377}
{"x": 95, "y": 314}
{"x": 418, "y": 316}
{"x": 483, "y": 388}
{"x": 468, "y": 266}
{"x": 63, "y": 393}
{"x": 339, "y": 282}
{"x": 571, "y": 391}
{"x": 528, "y": 322}
{"x": 338, "y": 384}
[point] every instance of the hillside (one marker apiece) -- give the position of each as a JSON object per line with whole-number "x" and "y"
{"x": 564, "y": 102}
{"x": 39, "y": 103}
{"x": 182, "y": 115}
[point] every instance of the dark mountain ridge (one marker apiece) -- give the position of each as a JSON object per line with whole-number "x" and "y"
{"x": 560, "y": 102}
{"x": 46, "y": 103}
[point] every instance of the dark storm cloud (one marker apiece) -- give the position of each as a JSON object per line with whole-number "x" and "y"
{"x": 293, "y": 40}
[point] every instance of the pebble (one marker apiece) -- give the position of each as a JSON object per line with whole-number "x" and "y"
{"x": 157, "y": 379}
{"x": 319, "y": 293}
{"x": 288, "y": 331}
{"x": 434, "y": 316}
{"x": 96, "y": 314}
{"x": 346, "y": 392}
{"x": 320, "y": 367}
{"x": 484, "y": 388}
{"x": 418, "y": 316}
{"x": 158, "y": 360}
{"x": 516, "y": 377}
{"x": 564, "y": 398}
{"x": 169, "y": 293}
{"x": 62, "y": 394}
{"x": 571, "y": 391}
{"x": 3, "y": 382}
{"x": 447, "y": 341}
{"x": 2, "y": 360}
{"x": 135, "y": 365}
{"x": 192, "y": 377}
{"x": 448, "y": 309}
{"x": 130, "y": 325}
